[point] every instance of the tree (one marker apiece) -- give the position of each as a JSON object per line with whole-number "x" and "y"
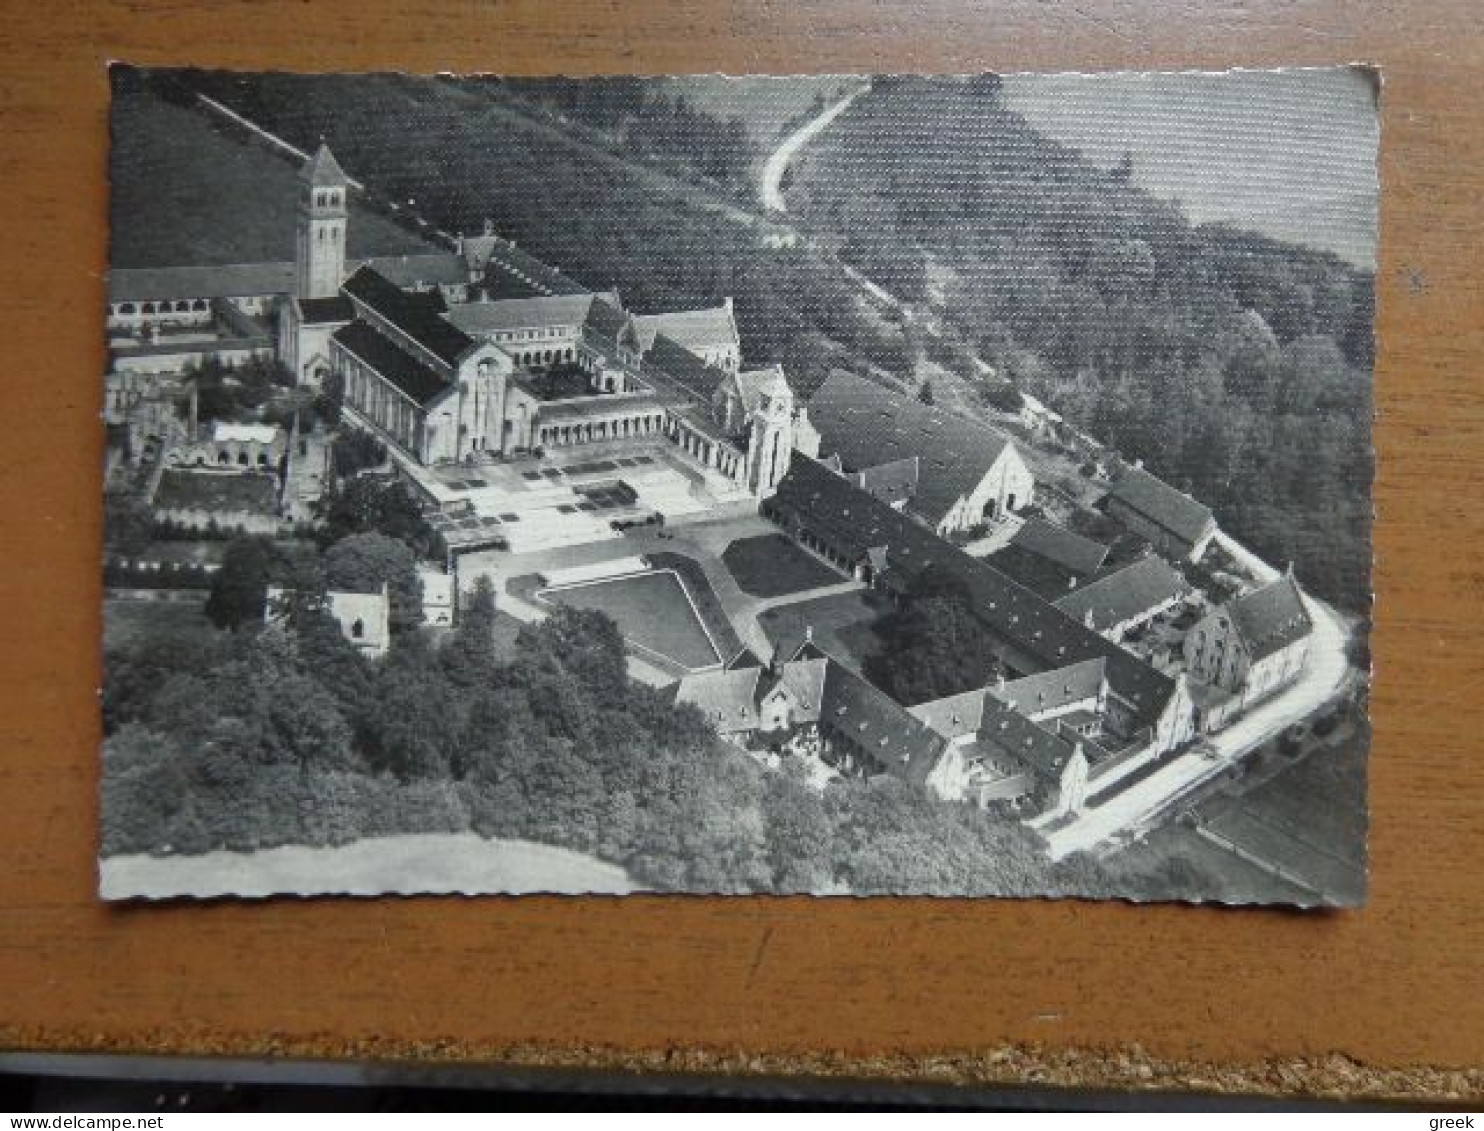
{"x": 240, "y": 587}
{"x": 469, "y": 656}
{"x": 363, "y": 563}
{"x": 364, "y": 505}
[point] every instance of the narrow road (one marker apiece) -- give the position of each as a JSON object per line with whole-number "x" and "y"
{"x": 770, "y": 190}
{"x": 1323, "y": 679}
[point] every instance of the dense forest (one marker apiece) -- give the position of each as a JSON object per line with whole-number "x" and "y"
{"x": 1238, "y": 367}
{"x": 455, "y": 155}
{"x": 261, "y": 736}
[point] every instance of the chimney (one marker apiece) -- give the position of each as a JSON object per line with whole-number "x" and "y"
{"x": 1139, "y": 463}
{"x": 999, "y": 680}
{"x": 726, "y": 304}
{"x": 1087, "y": 618}
{"x": 808, "y": 634}
{"x": 1072, "y": 582}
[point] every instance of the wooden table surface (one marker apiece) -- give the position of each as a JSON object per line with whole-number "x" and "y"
{"x": 1388, "y": 999}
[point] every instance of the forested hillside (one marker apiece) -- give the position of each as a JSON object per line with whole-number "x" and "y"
{"x": 1238, "y": 367}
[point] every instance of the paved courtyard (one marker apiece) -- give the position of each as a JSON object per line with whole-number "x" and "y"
{"x": 703, "y": 542}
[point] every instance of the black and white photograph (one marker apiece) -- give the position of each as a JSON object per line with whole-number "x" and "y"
{"x": 842, "y": 485}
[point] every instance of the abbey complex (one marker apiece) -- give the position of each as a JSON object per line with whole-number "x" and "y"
{"x": 577, "y": 452}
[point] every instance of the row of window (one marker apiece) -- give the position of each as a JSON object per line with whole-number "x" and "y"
{"x": 179, "y": 306}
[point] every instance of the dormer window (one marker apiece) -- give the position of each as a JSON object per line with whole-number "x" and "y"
{"x": 358, "y": 628}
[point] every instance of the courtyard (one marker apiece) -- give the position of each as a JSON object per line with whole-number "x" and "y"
{"x": 772, "y": 565}
{"x": 653, "y": 610}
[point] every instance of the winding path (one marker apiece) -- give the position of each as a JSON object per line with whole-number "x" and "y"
{"x": 770, "y": 189}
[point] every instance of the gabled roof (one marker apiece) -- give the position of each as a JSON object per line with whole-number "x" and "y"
{"x": 1166, "y": 507}
{"x": 728, "y": 697}
{"x": 904, "y": 745}
{"x": 322, "y": 170}
{"x": 803, "y": 681}
{"x": 604, "y": 321}
{"x": 894, "y": 483}
{"x": 415, "y": 315}
{"x": 542, "y": 311}
{"x": 1054, "y": 689}
{"x": 755, "y": 384}
{"x": 414, "y": 377}
{"x": 1270, "y": 618}
{"x": 868, "y": 425}
{"x": 679, "y": 375}
{"x": 854, "y": 523}
{"x": 1000, "y": 732}
{"x": 1125, "y": 594}
{"x": 1060, "y": 545}
{"x": 427, "y": 269}
{"x": 696, "y": 330}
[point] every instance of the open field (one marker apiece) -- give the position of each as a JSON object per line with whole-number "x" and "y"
{"x": 126, "y": 621}
{"x": 217, "y": 491}
{"x": 185, "y": 194}
{"x": 773, "y": 565}
{"x": 441, "y": 863}
{"x": 652, "y": 610}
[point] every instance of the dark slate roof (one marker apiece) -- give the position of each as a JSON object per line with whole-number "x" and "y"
{"x": 510, "y": 272}
{"x": 319, "y": 311}
{"x": 677, "y": 373}
{"x": 1126, "y": 593}
{"x": 851, "y": 520}
{"x": 868, "y": 425}
{"x": 604, "y": 321}
{"x": 522, "y": 313}
{"x": 322, "y": 170}
{"x": 412, "y": 314}
{"x": 696, "y": 330}
{"x": 728, "y": 697}
{"x": 1001, "y": 732}
{"x": 894, "y": 482}
{"x": 416, "y": 378}
{"x": 1054, "y": 689}
{"x": 1060, "y": 545}
{"x": 905, "y": 746}
{"x": 1157, "y": 501}
{"x": 1270, "y": 618}
{"x": 427, "y": 269}
{"x": 228, "y": 280}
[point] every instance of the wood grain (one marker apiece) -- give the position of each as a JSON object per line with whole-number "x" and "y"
{"x": 926, "y": 988}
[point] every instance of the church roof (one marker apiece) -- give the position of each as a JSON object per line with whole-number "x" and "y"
{"x": 414, "y": 377}
{"x": 1125, "y": 594}
{"x": 322, "y": 170}
{"x": 1270, "y": 618}
{"x": 675, "y": 371}
{"x": 479, "y": 318}
{"x": 868, "y": 425}
{"x": 411, "y": 313}
{"x": 511, "y": 272}
{"x": 1166, "y": 507}
{"x": 1060, "y": 545}
{"x": 426, "y": 269}
{"x": 696, "y": 330}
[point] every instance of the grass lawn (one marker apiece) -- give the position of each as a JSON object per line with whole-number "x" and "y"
{"x": 126, "y": 622}
{"x": 217, "y": 491}
{"x": 772, "y": 565}
{"x": 843, "y": 624}
{"x": 652, "y": 612}
{"x": 1235, "y": 880}
{"x": 185, "y": 193}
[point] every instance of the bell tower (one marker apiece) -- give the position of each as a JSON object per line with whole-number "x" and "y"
{"x": 319, "y": 250}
